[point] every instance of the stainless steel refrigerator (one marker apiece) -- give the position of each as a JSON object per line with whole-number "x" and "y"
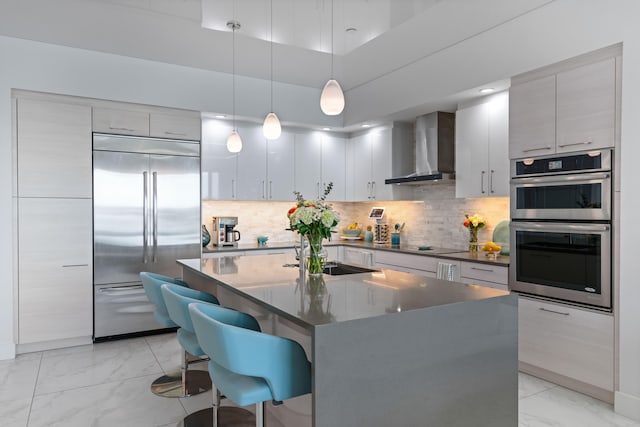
{"x": 146, "y": 214}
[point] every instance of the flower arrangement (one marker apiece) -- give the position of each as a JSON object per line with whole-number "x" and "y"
{"x": 474, "y": 223}
{"x": 314, "y": 219}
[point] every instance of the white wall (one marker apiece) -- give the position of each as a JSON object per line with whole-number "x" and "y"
{"x": 558, "y": 30}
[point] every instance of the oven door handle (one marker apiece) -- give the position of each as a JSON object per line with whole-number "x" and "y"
{"x": 562, "y": 179}
{"x": 549, "y": 226}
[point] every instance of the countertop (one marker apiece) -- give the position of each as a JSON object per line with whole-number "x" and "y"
{"x": 453, "y": 254}
{"x": 268, "y": 281}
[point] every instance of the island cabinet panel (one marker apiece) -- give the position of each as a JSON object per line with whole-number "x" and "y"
{"x": 120, "y": 121}
{"x": 175, "y": 126}
{"x": 53, "y": 149}
{"x": 55, "y": 267}
{"x": 567, "y": 341}
{"x": 586, "y": 107}
{"x": 493, "y": 276}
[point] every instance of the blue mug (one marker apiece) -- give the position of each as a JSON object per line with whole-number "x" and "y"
{"x": 262, "y": 240}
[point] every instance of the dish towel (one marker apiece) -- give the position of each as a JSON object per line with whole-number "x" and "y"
{"x": 447, "y": 271}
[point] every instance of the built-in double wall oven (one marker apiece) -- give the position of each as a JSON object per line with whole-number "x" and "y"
{"x": 561, "y": 210}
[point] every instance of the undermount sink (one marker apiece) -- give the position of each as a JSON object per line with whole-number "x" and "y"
{"x": 333, "y": 268}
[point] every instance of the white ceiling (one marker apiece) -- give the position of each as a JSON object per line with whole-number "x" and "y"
{"x": 171, "y": 31}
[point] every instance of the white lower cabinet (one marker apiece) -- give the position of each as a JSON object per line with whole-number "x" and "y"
{"x": 493, "y": 276}
{"x": 55, "y": 268}
{"x": 358, "y": 256}
{"x": 416, "y": 264}
{"x": 569, "y": 341}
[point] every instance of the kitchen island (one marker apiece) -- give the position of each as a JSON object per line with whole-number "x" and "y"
{"x": 387, "y": 348}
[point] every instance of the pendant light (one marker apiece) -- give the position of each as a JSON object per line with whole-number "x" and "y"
{"x": 234, "y": 143}
{"x": 332, "y": 97}
{"x": 271, "y": 128}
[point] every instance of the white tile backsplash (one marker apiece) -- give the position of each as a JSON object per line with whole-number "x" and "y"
{"x": 435, "y": 218}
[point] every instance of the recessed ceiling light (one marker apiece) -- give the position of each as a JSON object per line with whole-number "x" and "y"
{"x": 487, "y": 90}
{"x": 366, "y": 126}
{"x": 326, "y": 128}
{"x": 220, "y": 116}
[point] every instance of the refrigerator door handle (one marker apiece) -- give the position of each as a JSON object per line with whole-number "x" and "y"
{"x": 145, "y": 216}
{"x": 155, "y": 217}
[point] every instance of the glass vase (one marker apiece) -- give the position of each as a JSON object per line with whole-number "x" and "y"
{"x": 473, "y": 240}
{"x": 316, "y": 255}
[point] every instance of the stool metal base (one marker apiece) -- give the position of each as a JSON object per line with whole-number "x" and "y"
{"x": 171, "y": 385}
{"x": 228, "y": 416}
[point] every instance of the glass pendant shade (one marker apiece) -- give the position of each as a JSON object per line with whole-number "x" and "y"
{"x": 332, "y": 98}
{"x": 271, "y": 128}
{"x": 234, "y": 143}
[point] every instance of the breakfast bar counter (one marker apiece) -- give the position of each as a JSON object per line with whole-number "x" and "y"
{"x": 387, "y": 347}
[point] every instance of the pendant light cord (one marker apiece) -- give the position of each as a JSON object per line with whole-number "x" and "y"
{"x": 271, "y": 51}
{"x": 332, "y": 39}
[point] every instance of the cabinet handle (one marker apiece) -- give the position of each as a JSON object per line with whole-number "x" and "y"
{"x": 123, "y": 129}
{"x": 553, "y": 311}
{"x": 491, "y": 181}
{"x": 548, "y": 147}
{"x": 264, "y": 189}
{"x": 75, "y": 265}
{"x": 575, "y": 143}
{"x": 318, "y": 189}
{"x": 233, "y": 188}
{"x": 489, "y": 270}
{"x": 175, "y": 133}
{"x": 271, "y": 189}
{"x": 373, "y": 189}
{"x": 369, "y": 190}
{"x": 145, "y": 214}
{"x": 482, "y": 174}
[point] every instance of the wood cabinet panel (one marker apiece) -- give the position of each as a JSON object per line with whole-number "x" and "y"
{"x": 55, "y": 268}
{"x": 566, "y": 340}
{"x": 586, "y": 106}
{"x": 53, "y": 149}
{"x": 532, "y": 118}
{"x": 120, "y": 122}
{"x": 173, "y": 126}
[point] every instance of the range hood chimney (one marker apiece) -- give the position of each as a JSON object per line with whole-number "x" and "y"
{"x": 434, "y": 150}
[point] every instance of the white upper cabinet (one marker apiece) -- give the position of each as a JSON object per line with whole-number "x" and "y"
{"x": 334, "y": 166}
{"x": 174, "y": 126}
{"x": 280, "y": 167}
{"x": 54, "y": 149}
{"x": 567, "y": 107}
{"x": 586, "y": 107}
{"x": 252, "y": 163}
{"x": 320, "y": 159}
{"x": 120, "y": 121}
{"x": 308, "y": 164}
{"x": 219, "y": 166}
{"x": 369, "y": 164}
{"x": 482, "y": 144}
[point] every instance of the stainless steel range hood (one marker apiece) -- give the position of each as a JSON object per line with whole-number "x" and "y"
{"x": 434, "y": 150}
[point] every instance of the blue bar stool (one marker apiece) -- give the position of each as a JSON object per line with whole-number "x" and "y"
{"x": 175, "y": 384}
{"x": 177, "y": 300}
{"x": 247, "y": 366}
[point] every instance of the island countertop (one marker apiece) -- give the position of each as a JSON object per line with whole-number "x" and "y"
{"x": 269, "y": 280}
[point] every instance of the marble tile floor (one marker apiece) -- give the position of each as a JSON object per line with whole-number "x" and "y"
{"x": 107, "y": 384}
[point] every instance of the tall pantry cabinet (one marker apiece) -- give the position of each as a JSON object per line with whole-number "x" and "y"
{"x": 54, "y": 230}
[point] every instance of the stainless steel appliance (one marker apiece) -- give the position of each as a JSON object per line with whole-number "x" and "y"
{"x": 561, "y": 238}
{"x": 223, "y": 231}
{"x": 146, "y": 209}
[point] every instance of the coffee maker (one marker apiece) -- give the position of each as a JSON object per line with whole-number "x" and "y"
{"x": 223, "y": 233}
